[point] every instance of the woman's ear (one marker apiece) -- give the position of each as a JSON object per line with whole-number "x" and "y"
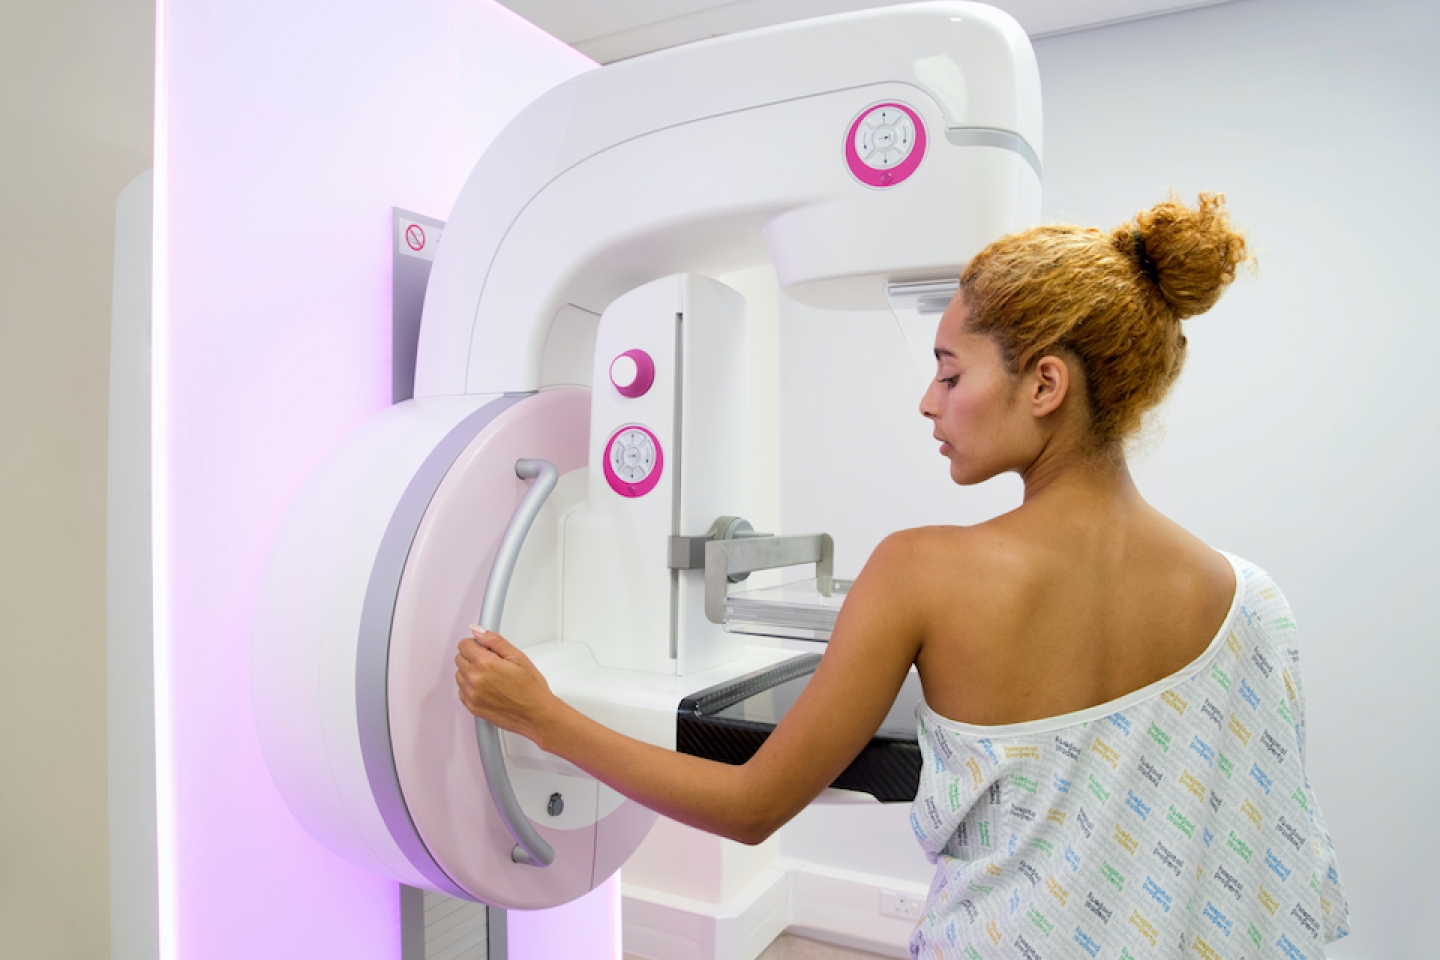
{"x": 1049, "y": 385}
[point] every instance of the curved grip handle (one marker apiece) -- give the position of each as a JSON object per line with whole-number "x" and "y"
{"x": 530, "y": 847}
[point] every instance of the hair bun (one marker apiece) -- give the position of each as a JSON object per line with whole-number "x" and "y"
{"x": 1189, "y": 254}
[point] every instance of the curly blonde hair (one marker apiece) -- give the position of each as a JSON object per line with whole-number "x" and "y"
{"x": 1112, "y": 300}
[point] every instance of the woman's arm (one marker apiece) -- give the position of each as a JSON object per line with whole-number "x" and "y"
{"x": 876, "y": 638}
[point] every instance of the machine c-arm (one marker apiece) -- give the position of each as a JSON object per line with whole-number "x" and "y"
{"x": 867, "y": 156}
{"x": 716, "y": 156}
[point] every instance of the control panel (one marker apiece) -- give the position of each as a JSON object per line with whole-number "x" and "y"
{"x": 633, "y": 461}
{"x": 667, "y": 454}
{"x": 885, "y": 144}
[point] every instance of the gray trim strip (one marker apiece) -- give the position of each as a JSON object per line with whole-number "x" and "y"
{"x": 372, "y": 660}
{"x": 1004, "y": 139}
{"x": 497, "y": 934}
{"x": 412, "y": 923}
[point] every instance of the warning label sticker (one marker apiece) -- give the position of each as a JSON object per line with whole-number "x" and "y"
{"x": 417, "y": 239}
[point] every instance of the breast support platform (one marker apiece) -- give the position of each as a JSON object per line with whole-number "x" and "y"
{"x": 573, "y": 467}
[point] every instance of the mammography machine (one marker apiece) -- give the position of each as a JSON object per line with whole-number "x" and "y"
{"x": 572, "y": 469}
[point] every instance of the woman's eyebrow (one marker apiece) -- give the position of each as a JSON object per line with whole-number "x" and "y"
{"x": 942, "y": 352}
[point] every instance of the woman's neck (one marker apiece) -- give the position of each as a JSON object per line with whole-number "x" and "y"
{"x": 1070, "y": 473}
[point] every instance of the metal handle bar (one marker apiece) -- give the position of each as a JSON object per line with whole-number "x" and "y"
{"x": 725, "y": 558}
{"x": 530, "y": 847}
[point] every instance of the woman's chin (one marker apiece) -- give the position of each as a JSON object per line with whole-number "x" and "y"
{"x": 968, "y": 475}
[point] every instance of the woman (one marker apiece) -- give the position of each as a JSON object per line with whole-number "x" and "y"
{"x": 1113, "y": 725}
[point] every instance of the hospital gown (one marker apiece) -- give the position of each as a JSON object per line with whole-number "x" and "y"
{"x": 1175, "y": 821}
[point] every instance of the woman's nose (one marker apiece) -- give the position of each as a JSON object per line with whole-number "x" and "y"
{"x": 927, "y": 408}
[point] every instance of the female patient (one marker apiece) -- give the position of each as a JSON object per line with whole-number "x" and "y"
{"x": 1113, "y": 729}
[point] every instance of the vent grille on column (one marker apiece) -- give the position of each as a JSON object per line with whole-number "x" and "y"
{"x": 437, "y": 927}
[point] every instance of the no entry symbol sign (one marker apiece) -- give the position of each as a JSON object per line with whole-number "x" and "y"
{"x": 416, "y": 239}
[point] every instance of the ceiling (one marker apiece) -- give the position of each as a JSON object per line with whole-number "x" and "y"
{"x": 609, "y": 30}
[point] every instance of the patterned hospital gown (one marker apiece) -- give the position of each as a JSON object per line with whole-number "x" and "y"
{"x": 1174, "y": 822}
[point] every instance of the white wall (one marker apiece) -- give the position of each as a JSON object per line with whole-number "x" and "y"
{"x": 75, "y": 109}
{"x": 1303, "y": 434}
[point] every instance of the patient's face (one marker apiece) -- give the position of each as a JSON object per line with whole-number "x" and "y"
{"x": 972, "y": 405}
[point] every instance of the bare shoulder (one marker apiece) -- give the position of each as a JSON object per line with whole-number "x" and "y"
{"x": 986, "y": 551}
{"x": 909, "y": 584}
{"x": 935, "y": 569}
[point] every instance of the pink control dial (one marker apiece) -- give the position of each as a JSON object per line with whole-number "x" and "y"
{"x": 633, "y": 461}
{"x": 632, "y": 373}
{"x": 885, "y": 145}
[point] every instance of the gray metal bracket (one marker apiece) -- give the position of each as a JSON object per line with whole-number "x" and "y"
{"x": 688, "y": 553}
{"x": 727, "y": 559}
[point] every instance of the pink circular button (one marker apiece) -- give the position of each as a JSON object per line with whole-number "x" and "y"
{"x": 633, "y": 461}
{"x": 885, "y": 144}
{"x": 632, "y": 373}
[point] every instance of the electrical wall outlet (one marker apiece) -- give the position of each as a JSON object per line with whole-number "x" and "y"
{"x": 905, "y": 906}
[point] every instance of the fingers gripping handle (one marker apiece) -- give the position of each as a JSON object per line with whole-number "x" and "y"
{"x": 530, "y": 847}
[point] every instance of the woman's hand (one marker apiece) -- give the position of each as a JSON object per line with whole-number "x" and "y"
{"x": 499, "y": 683}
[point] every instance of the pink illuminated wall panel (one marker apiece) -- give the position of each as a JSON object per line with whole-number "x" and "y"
{"x": 286, "y": 130}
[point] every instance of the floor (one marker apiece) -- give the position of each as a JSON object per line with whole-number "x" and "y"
{"x": 787, "y": 947}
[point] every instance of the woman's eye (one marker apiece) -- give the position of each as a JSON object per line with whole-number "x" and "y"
{"x": 950, "y": 381}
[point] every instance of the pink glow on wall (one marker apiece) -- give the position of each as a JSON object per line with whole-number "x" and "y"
{"x": 585, "y": 929}
{"x": 285, "y": 132}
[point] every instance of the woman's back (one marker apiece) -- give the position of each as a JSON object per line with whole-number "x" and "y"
{"x": 1077, "y": 598}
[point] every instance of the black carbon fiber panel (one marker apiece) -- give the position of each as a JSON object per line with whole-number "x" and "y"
{"x": 729, "y": 722}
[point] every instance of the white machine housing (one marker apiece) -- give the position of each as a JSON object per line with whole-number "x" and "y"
{"x": 718, "y": 155}
{"x": 578, "y": 238}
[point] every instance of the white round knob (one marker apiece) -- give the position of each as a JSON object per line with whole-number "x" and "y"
{"x": 624, "y": 370}
{"x": 632, "y": 373}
